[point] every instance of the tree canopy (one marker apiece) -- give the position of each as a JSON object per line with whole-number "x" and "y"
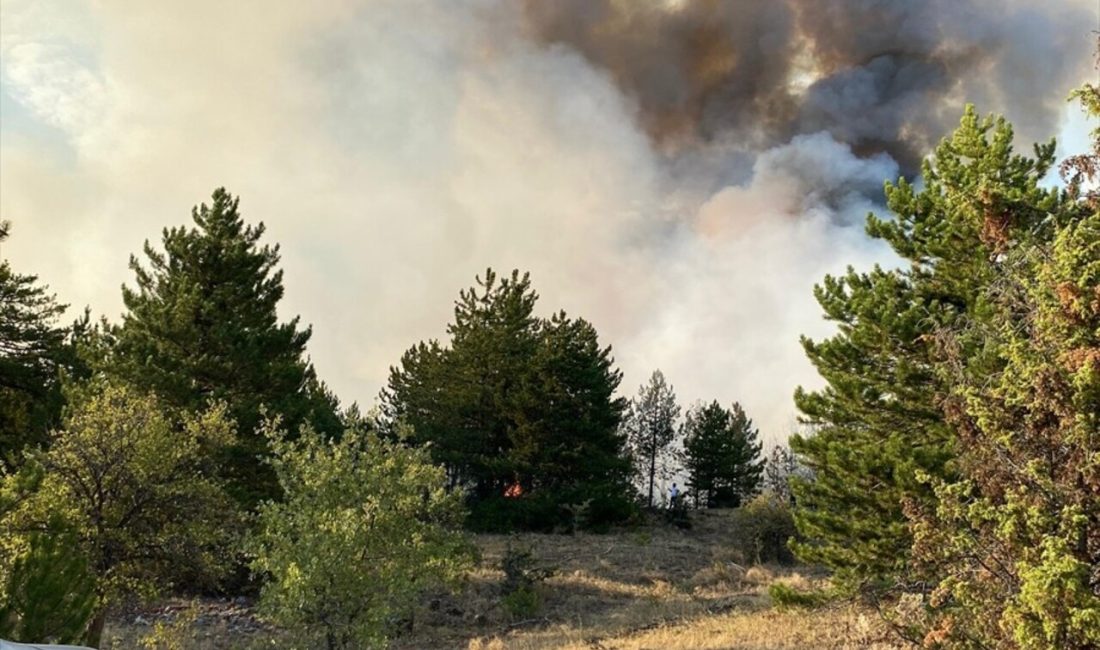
{"x": 32, "y": 351}
{"x": 201, "y": 327}
{"x": 134, "y": 485}
{"x": 520, "y": 410}
{"x": 954, "y": 445}
{"x": 721, "y": 455}
{"x": 650, "y": 426}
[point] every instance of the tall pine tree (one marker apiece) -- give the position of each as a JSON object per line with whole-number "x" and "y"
{"x": 580, "y": 453}
{"x": 1013, "y": 543}
{"x": 721, "y": 455}
{"x": 201, "y": 327}
{"x": 32, "y": 350}
{"x": 516, "y": 404}
{"x": 650, "y": 427}
{"x": 878, "y": 424}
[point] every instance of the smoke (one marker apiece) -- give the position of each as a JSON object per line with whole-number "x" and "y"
{"x": 879, "y": 75}
{"x": 680, "y": 174}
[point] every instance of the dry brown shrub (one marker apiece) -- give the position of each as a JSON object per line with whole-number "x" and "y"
{"x": 759, "y": 575}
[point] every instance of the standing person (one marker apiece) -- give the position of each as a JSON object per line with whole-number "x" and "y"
{"x": 673, "y": 496}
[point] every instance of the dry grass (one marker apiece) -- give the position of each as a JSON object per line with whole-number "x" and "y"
{"x": 657, "y": 587}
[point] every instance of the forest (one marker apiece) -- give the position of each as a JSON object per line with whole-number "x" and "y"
{"x": 951, "y": 462}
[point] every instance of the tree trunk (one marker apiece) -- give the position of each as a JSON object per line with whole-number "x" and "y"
{"x": 652, "y": 473}
{"x": 95, "y": 630}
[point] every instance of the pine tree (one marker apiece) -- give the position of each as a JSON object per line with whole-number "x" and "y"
{"x": 746, "y": 467}
{"x": 779, "y": 469}
{"x": 32, "y": 350}
{"x": 515, "y": 402}
{"x": 650, "y": 427}
{"x": 468, "y": 399}
{"x": 721, "y": 455}
{"x": 1013, "y": 542}
{"x": 201, "y": 327}
{"x": 878, "y": 424}
{"x": 704, "y": 432}
{"x": 580, "y": 454}
{"x": 50, "y": 594}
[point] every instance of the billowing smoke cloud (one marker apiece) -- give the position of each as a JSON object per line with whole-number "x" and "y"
{"x": 879, "y": 75}
{"x": 681, "y": 174}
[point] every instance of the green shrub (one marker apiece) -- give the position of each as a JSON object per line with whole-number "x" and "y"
{"x": 603, "y": 507}
{"x": 160, "y": 518}
{"x": 522, "y": 574}
{"x": 762, "y": 529}
{"x": 50, "y": 594}
{"x": 367, "y": 525}
{"x": 534, "y": 512}
{"x": 787, "y": 597}
{"x": 521, "y": 603}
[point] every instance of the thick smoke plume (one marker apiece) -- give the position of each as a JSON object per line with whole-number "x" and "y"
{"x": 879, "y": 75}
{"x": 680, "y": 173}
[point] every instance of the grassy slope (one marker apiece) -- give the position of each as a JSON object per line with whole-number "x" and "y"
{"x": 656, "y": 587}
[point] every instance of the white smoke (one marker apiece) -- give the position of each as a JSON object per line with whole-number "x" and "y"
{"x": 395, "y": 149}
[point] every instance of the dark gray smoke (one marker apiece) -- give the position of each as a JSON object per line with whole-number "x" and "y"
{"x": 879, "y": 75}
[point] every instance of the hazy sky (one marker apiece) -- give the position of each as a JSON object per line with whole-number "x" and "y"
{"x": 685, "y": 203}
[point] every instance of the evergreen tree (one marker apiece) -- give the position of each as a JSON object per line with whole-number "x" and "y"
{"x": 746, "y": 467}
{"x": 650, "y": 427}
{"x": 721, "y": 455}
{"x": 50, "y": 594}
{"x": 32, "y": 350}
{"x": 1013, "y": 542}
{"x": 201, "y": 327}
{"x": 878, "y": 423}
{"x": 780, "y": 467}
{"x": 469, "y": 399}
{"x": 515, "y": 403}
{"x": 579, "y": 453}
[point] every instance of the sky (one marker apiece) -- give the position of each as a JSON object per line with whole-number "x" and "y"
{"x": 679, "y": 173}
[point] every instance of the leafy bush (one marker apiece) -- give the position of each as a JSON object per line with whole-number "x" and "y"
{"x": 367, "y": 525}
{"x": 160, "y": 516}
{"x": 762, "y": 529}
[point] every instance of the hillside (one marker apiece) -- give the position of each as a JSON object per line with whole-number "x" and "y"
{"x": 655, "y": 586}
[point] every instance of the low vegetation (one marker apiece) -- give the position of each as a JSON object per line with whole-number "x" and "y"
{"x": 630, "y": 588}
